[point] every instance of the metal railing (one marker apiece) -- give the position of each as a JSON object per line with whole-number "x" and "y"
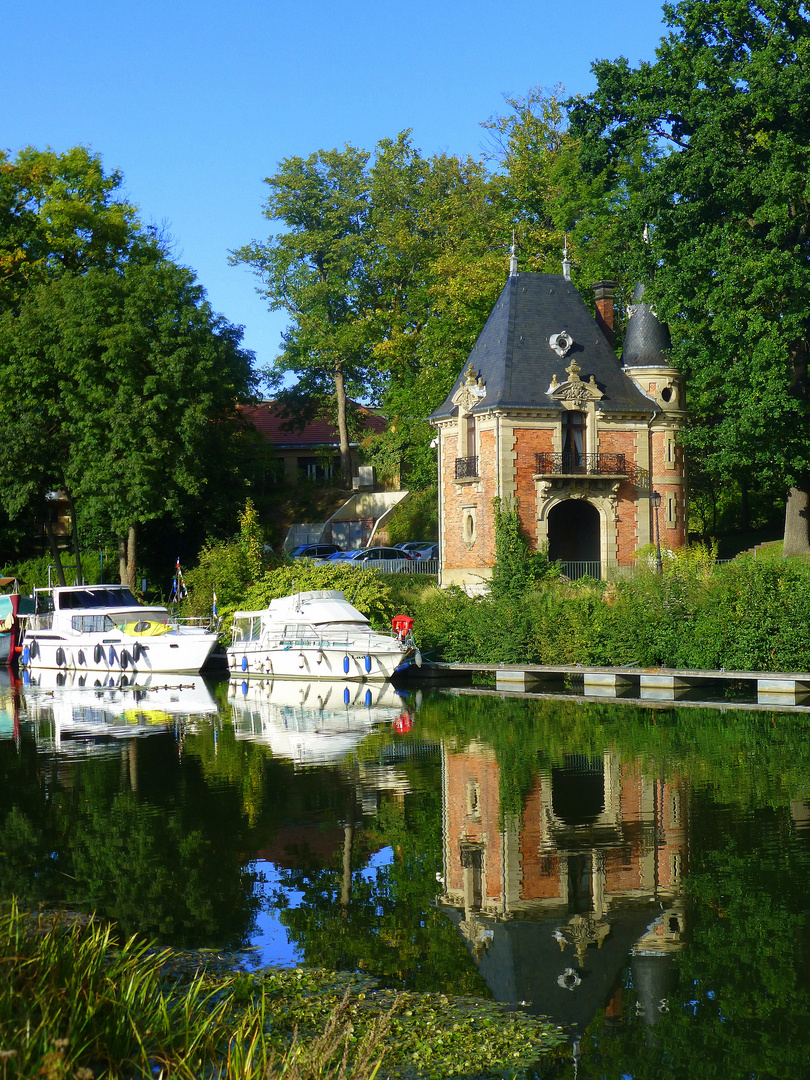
{"x": 580, "y": 569}
{"x": 574, "y": 464}
{"x": 466, "y": 467}
{"x": 421, "y": 566}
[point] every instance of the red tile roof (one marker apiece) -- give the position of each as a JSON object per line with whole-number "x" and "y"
{"x": 268, "y": 420}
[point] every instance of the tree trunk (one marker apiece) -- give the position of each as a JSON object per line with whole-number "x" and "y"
{"x": 343, "y": 429}
{"x": 132, "y": 561}
{"x": 122, "y": 558}
{"x": 797, "y": 516}
{"x": 74, "y": 532}
{"x": 745, "y": 514}
{"x": 348, "y": 846}
{"x": 54, "y": 549}
{"x": 127, "y": 557}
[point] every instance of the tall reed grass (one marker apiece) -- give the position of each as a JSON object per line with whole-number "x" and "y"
{"x": 77, "y": 1004}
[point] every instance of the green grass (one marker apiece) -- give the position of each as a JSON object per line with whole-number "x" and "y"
{"x": 77, "y": 1004}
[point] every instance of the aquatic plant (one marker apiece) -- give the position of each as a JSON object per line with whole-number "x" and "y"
{"x": 77, "y": 1003}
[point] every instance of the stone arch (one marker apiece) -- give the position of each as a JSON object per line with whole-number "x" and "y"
{"x": 574, "y": 531}
{"x": 603, "y": 500}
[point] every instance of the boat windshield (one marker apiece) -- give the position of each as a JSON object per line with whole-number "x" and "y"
{"x": 90, "y": 598}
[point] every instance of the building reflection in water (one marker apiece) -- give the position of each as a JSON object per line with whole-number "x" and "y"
{"x": 555, "y": 902}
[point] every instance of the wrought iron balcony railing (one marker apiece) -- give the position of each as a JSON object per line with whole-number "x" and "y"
{"x": 466, "y": 467}
{"x": 573, "y": 464}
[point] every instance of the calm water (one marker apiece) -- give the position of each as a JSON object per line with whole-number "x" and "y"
{"x": 642, "y": 875}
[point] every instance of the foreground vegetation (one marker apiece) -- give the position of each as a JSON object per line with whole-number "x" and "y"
{"x": 75, "y": 1002}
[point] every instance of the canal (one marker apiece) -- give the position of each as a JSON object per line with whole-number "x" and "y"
{"x": 640, "y": 875}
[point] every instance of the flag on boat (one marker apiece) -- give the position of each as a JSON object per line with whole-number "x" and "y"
{"x": 179, "y": 591}
{"x": 214, "y": 608}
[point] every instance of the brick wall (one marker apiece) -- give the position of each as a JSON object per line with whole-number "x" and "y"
{"x": 529, "y": 442}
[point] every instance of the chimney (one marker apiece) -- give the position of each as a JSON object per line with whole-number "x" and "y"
{"x": 603, "y": 291}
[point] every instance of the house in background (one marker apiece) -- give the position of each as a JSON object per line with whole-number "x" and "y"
{"x": 311, "y": 451}
{"x": 544, "y": 414}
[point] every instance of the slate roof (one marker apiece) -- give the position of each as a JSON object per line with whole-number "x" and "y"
{"x": 278, "y": 429}
{"x": 646, "y": 340}
{"x": 516, "y": 362}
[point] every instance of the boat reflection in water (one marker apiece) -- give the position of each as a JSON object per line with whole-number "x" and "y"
{"x": 9, "y": 709}
{"x": 313, "y": 722}
{"x": 85, "y": 711}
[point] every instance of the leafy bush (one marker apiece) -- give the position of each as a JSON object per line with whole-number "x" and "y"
{"x": 746, "y": 615}
{"x": 517, "y": 567}
{"x": 228, "y": 567}
{"x": 33, "y": 573}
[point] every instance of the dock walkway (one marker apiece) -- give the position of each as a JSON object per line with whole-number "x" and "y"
{"x": 658, "y": 684}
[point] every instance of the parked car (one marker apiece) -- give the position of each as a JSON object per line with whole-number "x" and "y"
{"x": 413, "y": 545}
{"x": 314, "y": 551}
{"x": 388, "y": 559}
{"x": 425, "y": 551}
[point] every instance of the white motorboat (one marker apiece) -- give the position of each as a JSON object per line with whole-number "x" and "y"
{"x": 104, "y": 628}
{"x": 316, "y": 635}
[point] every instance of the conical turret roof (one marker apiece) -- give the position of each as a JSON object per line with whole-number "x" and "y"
{"x": 646, "y": 340}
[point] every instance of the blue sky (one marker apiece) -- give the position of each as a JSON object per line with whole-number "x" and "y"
{"x": 197, "y": 102}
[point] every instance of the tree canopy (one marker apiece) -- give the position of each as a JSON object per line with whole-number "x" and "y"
{"x": 388, "y": 263}
{"x": 721, "y": 123}
{"x": 121, "y": 384}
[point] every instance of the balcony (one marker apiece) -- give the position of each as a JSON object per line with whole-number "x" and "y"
{"x": 573, "y": 464}
{"x": 466, "y": 468}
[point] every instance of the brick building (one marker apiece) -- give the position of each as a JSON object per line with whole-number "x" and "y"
{"x": 546, "y": 414}
{"x": 309, "y": 449}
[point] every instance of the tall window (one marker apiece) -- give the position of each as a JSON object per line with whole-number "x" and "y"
{"x": 471, "y": 447}
{"x": 573, "y": 440}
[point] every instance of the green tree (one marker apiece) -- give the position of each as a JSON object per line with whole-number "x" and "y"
{"x": 315, "y": 272}
{"x": 721, "y": 115}
{"x": 60, "y": 213}
{"x": 554, "y": 202}
{"x": 437, "y": 262}
{"x": 122, "y": 390}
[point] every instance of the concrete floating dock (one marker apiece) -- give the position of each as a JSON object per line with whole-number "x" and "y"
{"x": 647, "y": 684}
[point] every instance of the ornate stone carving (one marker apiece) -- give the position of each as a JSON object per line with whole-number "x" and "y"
{"x": 471, "y": 391}
{"x": 561, "y": 343}
{"x": 574, "y": 389}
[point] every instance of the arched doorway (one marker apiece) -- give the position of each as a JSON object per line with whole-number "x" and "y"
{"x": 573, "y": 532}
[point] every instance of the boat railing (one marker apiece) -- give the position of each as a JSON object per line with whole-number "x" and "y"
{"x": 200, "y": 622}
{"x": 37, "y": 622}
{"x": 284, "y": 641}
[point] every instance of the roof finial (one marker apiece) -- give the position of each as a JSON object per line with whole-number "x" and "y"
{"x": 513, "y": 270}
{"x": 566, "y": 260}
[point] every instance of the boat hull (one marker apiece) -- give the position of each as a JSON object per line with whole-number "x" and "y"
{"x": 347, "y": 663}
{"x": 173, "y": 653}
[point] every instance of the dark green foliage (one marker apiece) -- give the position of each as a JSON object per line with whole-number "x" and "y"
{"x": 721, "y": 118}
{"x": 747, "y": 615}
{"x": 415, "y": 518}
{"x": 549, "y": 626}
{"x": 517, "y": 567}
